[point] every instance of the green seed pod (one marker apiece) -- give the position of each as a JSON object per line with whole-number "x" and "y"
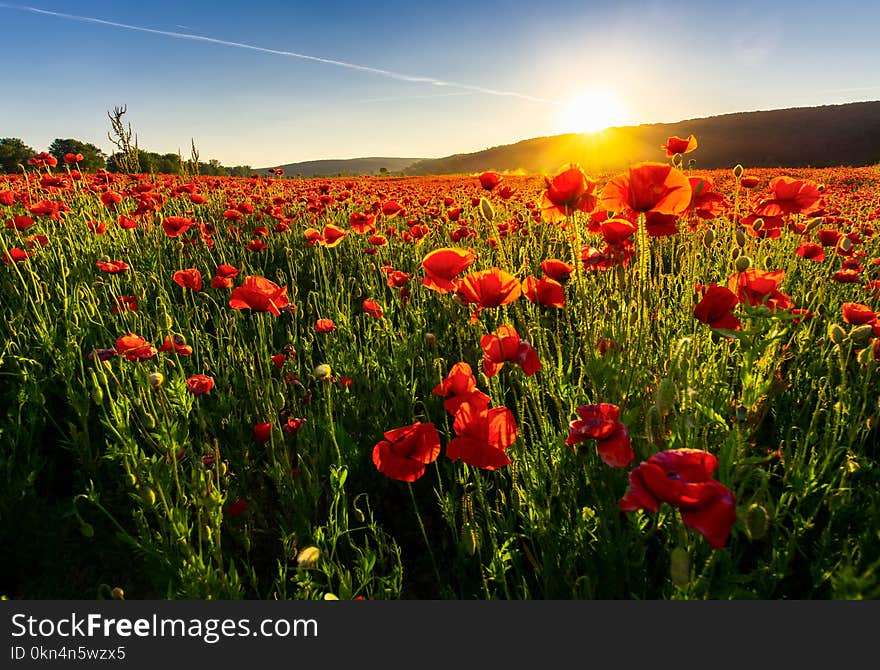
{"x": 664, "y": 398}
{"x": 836, "y": 334}
{"x": 757, "y": 521}
{"x": 738, "y": 171}
{"x": 742, "y": 263}
{"x": 486, "y": 209}
{"x": 680, "y": 567}
{"x": 861, "y": 335}
{"x": 97, "y": 395}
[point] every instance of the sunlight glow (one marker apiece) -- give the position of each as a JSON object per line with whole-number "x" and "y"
{"x": 590, "y": 111}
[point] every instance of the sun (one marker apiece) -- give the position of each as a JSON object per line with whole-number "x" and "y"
{"x": 590, "y": 111}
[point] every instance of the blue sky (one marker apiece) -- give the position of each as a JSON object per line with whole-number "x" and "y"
{"x": 518, "y": 64}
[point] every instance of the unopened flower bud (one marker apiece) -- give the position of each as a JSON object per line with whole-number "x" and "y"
{"x": 738, "y": 171}
{"x": 742, "y": 263}
{"x": 156, "y": 379}
{"x": 664, "y": 398}
{"x": 118, "y": 594}
{"x": 486, "y": 209}
{"x": 430, "y": 339}
{"x": 861, "y": 335}
{"x": 740, "y": 237}
{"x": 836, "y": 333}
{"x": 680, "y": 567}
{"x": 708, "y": 238}
{"x": 322, "y": 371}
{"x": 757, "y": 521}
{"x": 308, "y": 557}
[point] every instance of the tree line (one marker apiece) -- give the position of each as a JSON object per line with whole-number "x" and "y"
{"x": 14, "y": 153}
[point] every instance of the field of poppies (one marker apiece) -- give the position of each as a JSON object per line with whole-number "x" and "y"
{"x": 656, "y": 384}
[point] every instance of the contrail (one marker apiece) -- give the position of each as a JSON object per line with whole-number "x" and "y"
{"x": 290, "y": 54}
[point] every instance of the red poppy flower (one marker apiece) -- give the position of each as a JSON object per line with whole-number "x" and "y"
{"x": 190, "y": 278}
{"x": 362, "y": 223}
{"x": 677, "y": 145}
{"x": 706, "y": 202}
{"x": 278, "y": 360}
{"x": 176, "y": 344}
{"x": 112, "y": 267}
{"x": 223, "y": 276}
{"x": 857, "y": 314}
{"x": 601, "y": 423}
{"x": 372, "y": 308}
{"x": 617, "y": 231}
{"x": 20, "y": 222}
{"x": 72, "y": 158}
{"x": 293, "y": 424}
{"x": 714, "y": 309}
{"x": 570, "y": 190}
{"x": 489, "y": 288}
{"x": 458, "y": 387}
{"x": 557, "y": 269}
{"x": 199, "y": 384}
{"x": 325, "y": 326}
{"x": 333, "y": 235}
{"x": 260, "y": 295}
{"x": 237, "y": 508}
{"x": 749, "y": 181}
{"x": 256, "y": 245}
{"x": 506, "y": 346}
{"x": 16, "y": 255}
{"x": 811, "y": 252}
{"x": 97, "y": 227}
{"x": 489, "y": 180}
{"x": 125, "y": 303}
{"x": 544, "y": 291}
{"x": 791, "y": 196}
{"x": 443, "y": 265}
{"x": 756, "y": 286}
{"x": 135, "y": 348}
{"x": 648, "y": 187}
{"x": 110, "y": 198}
{"x": 682, "y": 478}
{"x": 176, "y": 225}
{"x": 262, "y": 432}
{"x": 390, "y": 209}
{"x": 405, "y": 451}
{"x": 7, "y": 198}
{"x": 483, "y": 436}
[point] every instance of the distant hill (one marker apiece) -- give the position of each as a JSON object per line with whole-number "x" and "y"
{"x": 348, "y": 166}
{"x": 824, "y": 136}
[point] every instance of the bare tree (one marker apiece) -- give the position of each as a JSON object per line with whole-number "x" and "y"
{"x": 127, "y": 159}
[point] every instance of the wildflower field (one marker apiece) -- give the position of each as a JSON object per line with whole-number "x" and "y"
{"x": 656, "y": 384}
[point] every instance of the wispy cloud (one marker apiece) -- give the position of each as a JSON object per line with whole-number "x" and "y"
{"x": 390, "y": 74}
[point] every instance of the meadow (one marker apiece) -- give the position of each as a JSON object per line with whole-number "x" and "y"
{"x": 659, "y": 384}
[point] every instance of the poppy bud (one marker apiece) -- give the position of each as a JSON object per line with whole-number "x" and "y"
{"x": 97, "y": 394}
{"x": 815, "y": 222}
{"x": 430, "y": 339}
{"x": 148, "y": 496}
{"x": 836, "y": 334}
{"x": 322, "y": 371}
{"x": 866, "y": 355}
{"x": 734, "y": 253}
{"x": 758, "y": 224}
{"x": 486, "y": 210}
{"x": 87, "y": 529}
{"x": 166, "y": 321}
{"x": 757, "y": 521}
{"x": 738, "y": 171}
{"x": 664, "y": 399}
{"x": 861, "y": 335}
{"x": 742, "y": 263}
{"x": 132, "y": 479}
{"x": 308, "y": 557}
{"x": 331, "y": 596}
{"x": 470, "y": 539}
{"x": 680, "y": 567}
{"x": 156, "y": 379}
{"x": 708, "y": 238}
{"x": 845, "y": 244}
{"x": 740, "y": 237}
